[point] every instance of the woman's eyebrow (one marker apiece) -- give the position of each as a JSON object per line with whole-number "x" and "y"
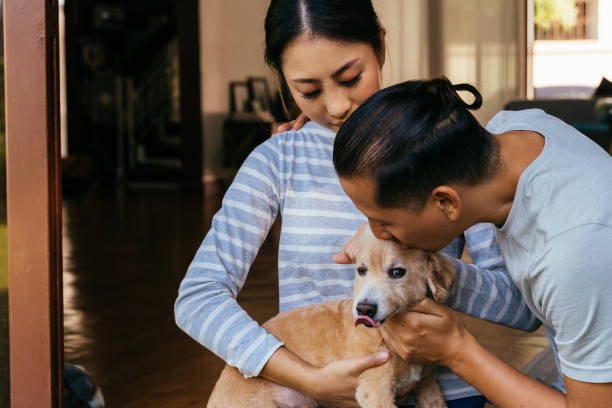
{"x": 345, "y": 67}
{"x": 335, "y": 74}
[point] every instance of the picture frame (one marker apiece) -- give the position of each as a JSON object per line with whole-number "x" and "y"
{"x": 259, "y": 94}
{"x": 239, "y": 97}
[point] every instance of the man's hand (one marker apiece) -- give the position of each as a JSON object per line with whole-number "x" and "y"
{"x": 429, "y": 333}
{"x": 296, "y": 124}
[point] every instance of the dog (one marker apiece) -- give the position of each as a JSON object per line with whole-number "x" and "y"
{"x": 389, "y": 279}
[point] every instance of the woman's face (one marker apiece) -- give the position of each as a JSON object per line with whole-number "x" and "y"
{"x": 330, "y": 79}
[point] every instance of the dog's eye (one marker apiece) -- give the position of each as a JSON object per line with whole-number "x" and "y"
{"x": 397, "y": 273}
{"x": 362, "y": 270}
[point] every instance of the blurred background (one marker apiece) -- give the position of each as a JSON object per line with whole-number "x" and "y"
{"x": 161, "y": 100}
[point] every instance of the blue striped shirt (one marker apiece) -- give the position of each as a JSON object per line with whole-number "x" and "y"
{"x": 292, "y": 175}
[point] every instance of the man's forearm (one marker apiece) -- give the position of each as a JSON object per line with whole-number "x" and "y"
{"x": 504, "y": 386}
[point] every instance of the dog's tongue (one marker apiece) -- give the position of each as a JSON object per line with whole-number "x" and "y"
{"x": 366, "y": 321}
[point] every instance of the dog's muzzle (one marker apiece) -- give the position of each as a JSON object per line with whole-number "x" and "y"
{"x": 365, "y": 314}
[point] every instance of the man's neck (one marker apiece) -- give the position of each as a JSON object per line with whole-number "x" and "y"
{"x": 491, "y": 201}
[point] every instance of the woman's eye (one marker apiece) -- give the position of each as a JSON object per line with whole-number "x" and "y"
{"x": 397, "y": 273}
{"x": 362, "y": 270}
{"x": 311, "y": 95}
{"x": 352, "y": 81}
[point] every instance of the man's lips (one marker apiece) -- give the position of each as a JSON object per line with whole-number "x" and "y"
{"x": 367, "y": 321}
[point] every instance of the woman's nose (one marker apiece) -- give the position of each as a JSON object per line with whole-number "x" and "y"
{"x": 380, "y": 232}
{"x": 338, "y": 105}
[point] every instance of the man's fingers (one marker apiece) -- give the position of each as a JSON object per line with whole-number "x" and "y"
{"x": 285, "y": 127}
{"x": 342, "y": 258}
{"x": 361, "y": 364}
{"x": 300, "y": 121}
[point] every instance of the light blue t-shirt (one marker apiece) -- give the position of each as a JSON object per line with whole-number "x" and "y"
{"x": 557, "y": 242}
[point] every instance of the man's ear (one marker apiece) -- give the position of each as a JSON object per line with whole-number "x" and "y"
{"x": 448, "y": 201}
{"x": 440, "y": 276}
{"x": 354, "y": 246}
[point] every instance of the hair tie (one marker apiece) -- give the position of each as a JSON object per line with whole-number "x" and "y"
{"x": 471, "y": 89}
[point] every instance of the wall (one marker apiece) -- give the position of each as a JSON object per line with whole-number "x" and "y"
{"x": 477, "y": 41}
{"x": 231, "y": 48}
{"x": 406, "y": 38}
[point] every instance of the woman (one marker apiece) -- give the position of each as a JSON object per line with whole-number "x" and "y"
{"x": 328, "y": 55}
{"x": 419, "y": 165}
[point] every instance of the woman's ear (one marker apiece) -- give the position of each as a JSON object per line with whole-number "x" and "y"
{"x": 382, "y": 54}
{"x": 440, "y": 276}
{"x": 448, "y": 201}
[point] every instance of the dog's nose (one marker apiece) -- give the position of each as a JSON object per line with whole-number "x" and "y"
{"x": 368, "y": 309}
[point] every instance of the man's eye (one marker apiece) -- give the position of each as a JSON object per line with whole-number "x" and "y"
{"x": 396, "y": 273}
{"x": 362, "y": 270}
{"x": 352, "y": 82}
{"x": 311, "y": 95}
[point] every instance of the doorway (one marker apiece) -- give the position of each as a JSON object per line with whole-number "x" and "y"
{"x": 132, "y": 94}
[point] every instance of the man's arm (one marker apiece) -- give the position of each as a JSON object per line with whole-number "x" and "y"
{"x": 435, "y": 333}
{"x": 506, "y": 387}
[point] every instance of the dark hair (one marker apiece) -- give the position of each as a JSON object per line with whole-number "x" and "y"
{"x": 412, "y": 137}
{"x": 352, "y": 21}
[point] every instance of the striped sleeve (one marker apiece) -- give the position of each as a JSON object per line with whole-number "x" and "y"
{"x": 484, "y": 289}
{"x": 206, "y": 307}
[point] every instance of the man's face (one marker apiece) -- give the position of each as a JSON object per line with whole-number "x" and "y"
{"x": 428, "y": 229}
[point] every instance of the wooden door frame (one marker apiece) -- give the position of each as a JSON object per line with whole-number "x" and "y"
{"x": 34, "y": 203}
{"x": 526, "y": 37}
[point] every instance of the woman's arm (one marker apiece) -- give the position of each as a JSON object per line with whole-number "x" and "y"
{"x": 434, "y": 333}
{"x": 335, "y": 383}
{"x": 206, "y": 307}
{"x": 484, "y": 289}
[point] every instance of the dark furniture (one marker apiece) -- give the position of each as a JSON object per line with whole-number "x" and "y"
{"x": 584, "y": 114}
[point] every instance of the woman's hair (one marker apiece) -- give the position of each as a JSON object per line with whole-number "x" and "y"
{"x": 412, "y": 137}
{"x": 351, "y": 21}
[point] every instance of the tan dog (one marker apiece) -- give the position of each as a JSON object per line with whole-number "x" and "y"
{"x": 389, "y": 280}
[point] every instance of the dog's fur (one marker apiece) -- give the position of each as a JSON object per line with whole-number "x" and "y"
{"x": 325, "y": 332}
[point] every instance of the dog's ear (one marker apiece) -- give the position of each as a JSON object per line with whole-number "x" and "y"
{"x": 440, "y": 276}
{"x": 354, "y": 246}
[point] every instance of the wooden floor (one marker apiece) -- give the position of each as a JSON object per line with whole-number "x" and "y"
{"x": 125, "y": 254}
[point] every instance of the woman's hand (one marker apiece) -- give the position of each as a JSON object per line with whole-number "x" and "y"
{"x": 335, "y": 384}
{"x": 296, "y": 124}
{"x": 429, "y": 333}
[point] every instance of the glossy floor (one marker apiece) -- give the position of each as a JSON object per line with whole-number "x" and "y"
{"x": 125, "y": 254}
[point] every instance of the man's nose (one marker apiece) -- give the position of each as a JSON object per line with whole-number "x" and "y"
{"x": 379, "y": 231}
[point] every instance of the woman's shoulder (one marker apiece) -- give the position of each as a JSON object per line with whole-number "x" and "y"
{"x": 312, "y": 140}
{"x": 311, "y": 131}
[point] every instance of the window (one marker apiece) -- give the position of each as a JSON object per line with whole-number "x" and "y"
{"x": 565, "y": 20}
